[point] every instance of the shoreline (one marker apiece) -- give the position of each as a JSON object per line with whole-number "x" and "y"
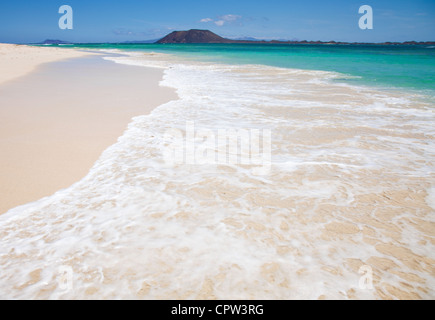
{"x": 56, "y": 117}
{"x": 349, "y": 189}
{"x": 19, "y": 60}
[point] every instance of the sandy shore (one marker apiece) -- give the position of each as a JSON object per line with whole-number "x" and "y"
{"x": 346, "y": 211}
{"x": 18, "y": 60}
{"x": 57, "y": 118}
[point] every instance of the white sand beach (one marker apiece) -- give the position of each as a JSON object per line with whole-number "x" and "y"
{"x": 19, "y": 60}
{"x": 59, "y": 110}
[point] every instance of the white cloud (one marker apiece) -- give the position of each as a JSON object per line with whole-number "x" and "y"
{"x": 221, "y": 20}
{"x": 230, "y": 17}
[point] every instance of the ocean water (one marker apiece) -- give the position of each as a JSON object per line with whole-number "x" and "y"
{"x": 404, "y": 66}
{"x": 345, "y": 209}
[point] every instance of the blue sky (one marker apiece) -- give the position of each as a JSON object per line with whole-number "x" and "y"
{"x": 26, "y": 21}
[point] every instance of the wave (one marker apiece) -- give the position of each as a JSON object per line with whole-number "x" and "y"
{"x": 349, "y": 187}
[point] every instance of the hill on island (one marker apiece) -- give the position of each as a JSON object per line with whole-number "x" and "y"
{"x": 194, "y": 36}
{"x": 50, "y": 41}
{"x": 206, "y": 36}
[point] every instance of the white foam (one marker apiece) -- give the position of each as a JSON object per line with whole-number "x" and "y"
{"x": 133, "y": 219}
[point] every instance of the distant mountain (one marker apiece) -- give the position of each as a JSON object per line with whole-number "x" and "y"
{"x": 194, "y": 36}
{"x": 49, "y": 41}
{"x": 206, "y": 36}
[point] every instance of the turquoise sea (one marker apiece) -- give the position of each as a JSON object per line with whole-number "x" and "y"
{"x": 398, "y": 66}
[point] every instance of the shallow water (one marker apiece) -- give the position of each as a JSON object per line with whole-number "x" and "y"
{"x": 349, "y": 194}
{"x": 410, "y": 67}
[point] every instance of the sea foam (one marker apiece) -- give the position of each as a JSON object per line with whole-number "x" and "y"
{"x": 352, "y": 169}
